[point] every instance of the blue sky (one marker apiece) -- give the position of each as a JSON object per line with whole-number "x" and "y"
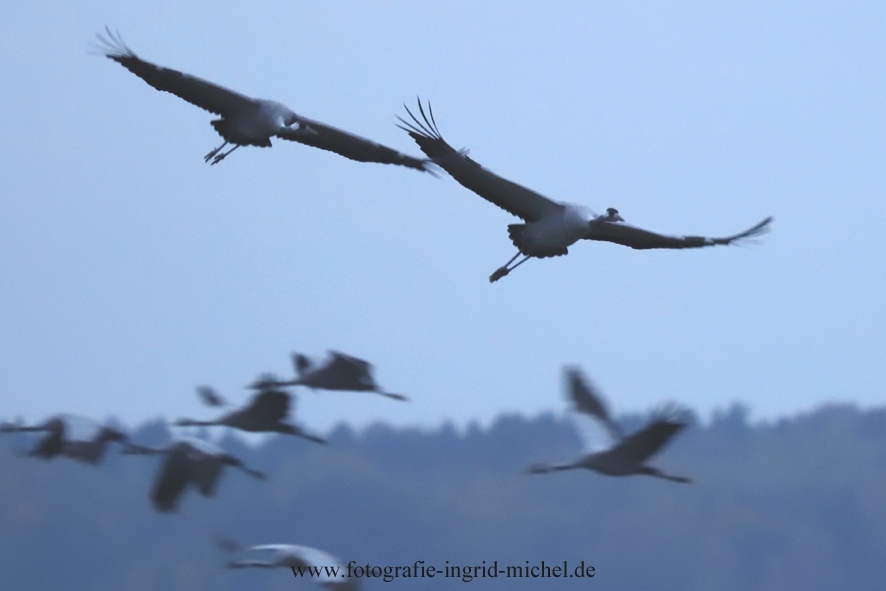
{"x": 131, "y": 272}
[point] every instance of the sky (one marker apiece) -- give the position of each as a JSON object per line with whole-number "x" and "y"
{"x": 132, "y": 272}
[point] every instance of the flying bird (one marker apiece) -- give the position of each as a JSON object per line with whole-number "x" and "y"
{"x": 245, "y": 121}
{"x": 265, "y": 413}
{"x": 629, "y": 454}
{"x": 70, "y": 436}
{"x": 188, "y": 462}
{"x": 323, "y": 568}
{"x": 337, "y": 372}
{"x": 549, "y": 227}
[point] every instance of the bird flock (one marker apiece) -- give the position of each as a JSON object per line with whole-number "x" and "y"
{"x": 548, "y": 229}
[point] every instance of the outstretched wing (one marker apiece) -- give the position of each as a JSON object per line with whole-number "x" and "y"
{"x": 346, "y": 364}
{"x": 173, "y": 478}
{"x": 587, "y": 399}
{"x": 643, "y": 444}
{"x": 326, "y": 137}
{"x": 270, "y": 404}
{"x": 628, "y": 235}
{"x": 210, "y": 396}
{"x": 513, "y": 198}
{"x": 202, "y": 93}
{"x": 351, "y": 372}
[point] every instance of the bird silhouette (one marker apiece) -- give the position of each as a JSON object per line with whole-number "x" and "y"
{"x": 629, "y": 454}
{"x": 338, "y": 372}
{"x": 70, "y": 436}
{"x": 549, "y": 227}
{"x": 188, "y": 462}
{"x": 306, "y": 562}
{"x": 246, "y": 121}
{"x": 265, "y": 413}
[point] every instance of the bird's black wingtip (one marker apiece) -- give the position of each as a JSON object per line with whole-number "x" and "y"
{"x": 112, "y": 46}
{"x": 749, "y": 235}
{"x": 426, "y": 127}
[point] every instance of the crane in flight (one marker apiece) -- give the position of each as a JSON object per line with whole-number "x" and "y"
{"x": 629, "y": 454}
{"x": 188, "y": 462}
{"x": 246, "y": 121}
{"x": 70, "y": 436}
{"x": 265, "y": 413}
{"x": 337, "y": 372}
{"x": 548, "y": 227}
{"x": 321, "y": 567}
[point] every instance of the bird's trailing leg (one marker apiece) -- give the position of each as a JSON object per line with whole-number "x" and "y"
{"x": 392, "y": 395}
{"x": 222, "y": 156}
{"x": 209, "y": 156}
{"x": 504, "y": 269}
{"x": 659, "y": 474}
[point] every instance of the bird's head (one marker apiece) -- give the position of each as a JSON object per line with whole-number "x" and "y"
{"x": 612, "y": 215}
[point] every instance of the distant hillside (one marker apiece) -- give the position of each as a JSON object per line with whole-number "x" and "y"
{"x": 797, "y": 504}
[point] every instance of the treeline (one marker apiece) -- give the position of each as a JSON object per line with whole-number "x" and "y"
{"x": 795, "y": 504}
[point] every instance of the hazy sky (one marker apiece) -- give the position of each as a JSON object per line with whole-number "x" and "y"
{"x": 131, "y": 272}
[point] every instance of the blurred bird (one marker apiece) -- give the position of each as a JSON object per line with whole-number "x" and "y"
{"x": 246, "y": 121}
{"x": 188, "y": 461}
{"x": 210, "y": 397}
{"x": 549, "y": 227}
{"x": 629, "y": 454}
{"x": 337, "y": 372}
{"x": 70, "y": 436}
{"x": 265, "y": 413}
{"x": 323, "y": 568}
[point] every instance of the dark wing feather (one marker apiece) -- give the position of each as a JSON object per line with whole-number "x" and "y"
{"x": 270, "y": 404}
{"x": 354, "y": 147}
{"x": 206, "y": 475}
{"x": 587, "y": 399}
{"x": 643, "y": 444}
{"x": 346, "y": 363}
{"x": 627, "y": 235}
{"x": 173, "y": 478}
{"x": 209, "y": 396}
{"x": 342, "y": 372}
{"x": 202, "y": 93}
{"x": 513, "y": 198}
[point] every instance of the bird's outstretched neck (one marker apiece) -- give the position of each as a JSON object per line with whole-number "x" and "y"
{"x": 249, "y": 564}
{"x": 545, "y": 468}
{"x": 659, "y": 474}
{"x": 193, "y": 423}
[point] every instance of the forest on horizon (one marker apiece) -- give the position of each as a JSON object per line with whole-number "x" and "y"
{"x": 796, "y": 503}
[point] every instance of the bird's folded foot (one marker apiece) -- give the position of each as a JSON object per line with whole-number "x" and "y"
{"x": 499, "y": 273}
{"x": 218, "y": 159}
{"x": 209, "y": 156}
